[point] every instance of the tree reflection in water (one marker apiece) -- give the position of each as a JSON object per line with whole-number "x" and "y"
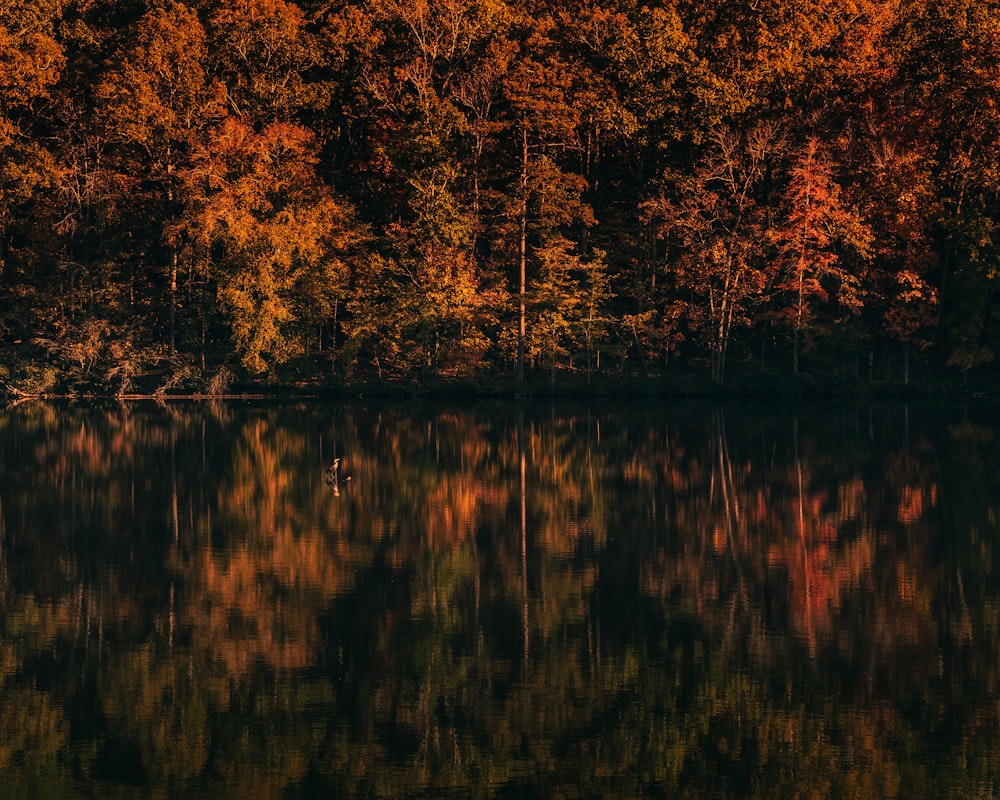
{"x": 509, "y": 601}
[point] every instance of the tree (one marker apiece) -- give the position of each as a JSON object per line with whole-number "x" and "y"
{"x": 31, "y": 64}
{"x": 949, "y": 63}
{"x": 428, "y": 299}
{"x": 896, "y": 190}
{"x": 264, "y": 51}
{"x": 715, "y": 231}
{"x": 157, "y": 104}
{"x": 815, "y": 227}
{"x": 270, "y": 236}
{"x": 555, "y": 303}
{"x": 543, "y": 196}
{"x": 567, "y": 295}
{"x": 423, "y": 304}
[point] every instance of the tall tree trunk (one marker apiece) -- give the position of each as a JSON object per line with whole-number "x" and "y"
{"x": 333, "y": 336}
{"x": 203, "y": 314}
{"x": 589, "y": 349}
{"x": 173, "y": 297}
{"x": 523, "y": 261}
{"x": 173, "y": 255}
{"x": 552, "y": 374}
{"x": 803, "y": 245}
{"x": 798, "y": 324}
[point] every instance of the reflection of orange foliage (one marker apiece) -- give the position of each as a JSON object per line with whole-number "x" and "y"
{"x": 243, "y": 618}
{"x": 97, "y": 450}
{"x": 851, "y": 499}
{"x": 720, "y": 539}
{"x": 260, "y": 599}
{"x": 906, "y": 583}
{"x": 451, "y": 509}
{"x": 820, "y": 574}
{"x": 911, "y": 505}
{"x": 561, "y": 535}
{"x": 262, "y": 605}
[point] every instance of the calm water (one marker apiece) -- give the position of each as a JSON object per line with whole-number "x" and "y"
{"x": 623, "y": 601}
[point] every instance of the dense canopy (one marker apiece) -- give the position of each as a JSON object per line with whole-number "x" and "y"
{"x": 319, "y": 192}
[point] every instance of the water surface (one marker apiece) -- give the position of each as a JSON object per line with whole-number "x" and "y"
{"x": 648, "y": 600}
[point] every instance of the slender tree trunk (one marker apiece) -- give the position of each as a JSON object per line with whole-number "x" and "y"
{"x": 798, "y": 325}
{"x": 523, "y": 261}
{"x": 173, "y": 297}
{"x": 801, "y": 279}
{"x": 173, "y": 257}
{"x": 476, "y": 166}
{"x": 204, "y": 325}
{"x": 333, "y": 336}
{"x": 552, "y": 374}
{"x": 589, "y": 350}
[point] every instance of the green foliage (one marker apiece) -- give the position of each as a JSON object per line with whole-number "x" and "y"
{"x": 567, "y": 305}
{"x": 426, "y": 299}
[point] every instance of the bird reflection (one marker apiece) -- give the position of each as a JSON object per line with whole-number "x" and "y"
{"x": 331, "y": 476}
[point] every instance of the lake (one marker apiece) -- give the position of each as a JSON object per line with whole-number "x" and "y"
{"x": 656, "y": 599}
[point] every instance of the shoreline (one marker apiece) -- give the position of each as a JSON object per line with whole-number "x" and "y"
{"x": 623, "y": 388}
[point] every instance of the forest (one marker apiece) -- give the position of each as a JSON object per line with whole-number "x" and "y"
{"x": 204, "y": 194}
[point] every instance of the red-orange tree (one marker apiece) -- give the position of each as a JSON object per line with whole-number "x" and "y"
{"x": 812, "y": 238}
{"x": 714, "y": 228}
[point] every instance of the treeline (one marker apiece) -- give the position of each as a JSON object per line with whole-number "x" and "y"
{"x": 200, "y": 192}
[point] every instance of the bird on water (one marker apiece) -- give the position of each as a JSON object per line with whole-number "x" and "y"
{"x": 331, "y": 476}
